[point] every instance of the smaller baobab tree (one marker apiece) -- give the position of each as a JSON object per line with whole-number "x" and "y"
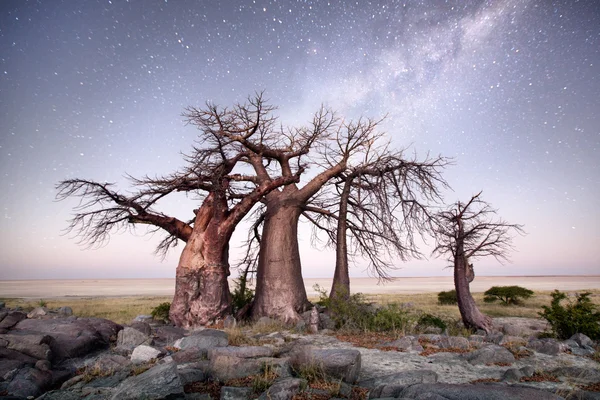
{"x": 464, "y": 232}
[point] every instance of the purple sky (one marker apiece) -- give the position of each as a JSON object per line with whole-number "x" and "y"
{"x": 95, "y": 89}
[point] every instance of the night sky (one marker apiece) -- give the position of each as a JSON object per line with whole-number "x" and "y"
{"x": 95, "y": 89}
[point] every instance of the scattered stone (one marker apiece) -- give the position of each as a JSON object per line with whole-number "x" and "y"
{"x": 65, "y": 311}
{"x": 143, "y": 353}
{"x": 454, "y": 342}
{"x": 402, "y": 378}
{"x": 406, "y": 343}
{"x": 235, "y": 393}
{"x": 491, "y": 391}
{"x": 490, "y": 354}
{"x": 229, "y": 322}
{"x": 204, "y": 339}
{"x": 130, "y": 338}
{"x": 527, "y": 370}
{"x": 547, "y": 346}
{"x": 512, "y": 375}
{"x": 143, "y": 318}
{"x": 29, "y": 382}
{"x": 35, "y": 345}
{"x": 582, "y": 340}
{"x": 11, "y": 319}
{"x": 343, "y": 364}
{"x": 159, "y": 382}
{"x": 283, "y": 389}
{"x": 143, "y": 327}
{"x": 38, "y": 312}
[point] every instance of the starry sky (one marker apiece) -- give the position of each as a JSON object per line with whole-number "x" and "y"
{"x": 95, "y": 89}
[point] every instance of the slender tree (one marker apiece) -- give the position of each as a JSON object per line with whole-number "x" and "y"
{"x": 201, "y": 293}
{"x": 466, "y": 231}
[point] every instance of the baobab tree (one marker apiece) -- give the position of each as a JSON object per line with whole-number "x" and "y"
{"x": 215, "y": 173}
{"x": 467, "y": 231}
{"x": 379, "y": 205}
{"x": 328, "y": 144}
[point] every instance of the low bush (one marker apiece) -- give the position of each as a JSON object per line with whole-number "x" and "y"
{"x": 161, "y": 312}
{"x": 352, "y": 312}
{"x": 507, "y": 294}
{"x": 447, "y": 297}
{"x": 431, "y": 320}
{"x": 241, "y": 294}
{"x": 579, "y": 316}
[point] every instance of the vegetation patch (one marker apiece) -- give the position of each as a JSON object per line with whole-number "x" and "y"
{"x": 212, "y": 388}
{"x": 579, "y": 316}
{"x": 447, "y": 297}
{"x": 486, "y": 380}
{"x": 431, "y": 320}
{"x": 161, "y": 312}
{"x": 368, "y": 340}
{"x": 540, "y": 376}
{"x": 508, "y": 295}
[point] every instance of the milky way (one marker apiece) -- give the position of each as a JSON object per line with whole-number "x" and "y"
{"x": 96, "y": 89}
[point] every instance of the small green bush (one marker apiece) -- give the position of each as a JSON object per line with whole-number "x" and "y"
{"x": 161, "y": 312}
{"x": 352, "y": 312}
{"x": 579, "y": 316}
{"x": 447, "y": 297}
{"x": 507, "y": 294}
{"x": 241, "y": 294}
{"x": 431, "y": 320}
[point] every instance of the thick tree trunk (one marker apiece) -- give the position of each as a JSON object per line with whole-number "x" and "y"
{"x": 341, "y": 277}
{"x": 280, "y": 291}
{"x": 471, "y": 316}
{"x": 201, "y": 289}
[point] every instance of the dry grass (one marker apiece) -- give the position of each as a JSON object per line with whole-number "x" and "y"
{"x": 124, "y": 309}
{"x": 118, "y": 309}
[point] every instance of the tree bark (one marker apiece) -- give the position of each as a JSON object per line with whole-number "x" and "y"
{"x": 201, "y": 289}
{"x": 280, "y": 291}
{"x": 471, "y": 316}
{"x": 341, "y": 277}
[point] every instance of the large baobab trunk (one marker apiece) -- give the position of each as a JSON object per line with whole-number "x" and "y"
{"x": 471, "y": 316}
{"x": 280, "y": 291}
{"x": 201, "y": 288}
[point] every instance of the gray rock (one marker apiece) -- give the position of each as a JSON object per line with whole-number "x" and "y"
{"x": 407, "y": 343}
{"x": 455, "y": 342}
{"x": 59, "y": 395}
{"x": 144, "y": 353}
{"x": 513, "y": 341}
{"x": 578, "y": 374}
{"x": 205, "y": 339}
{"x": 168, "y": 334}
{"x": 475, "y": 392}
{"x": 224, "y": 367}
{"x": 235, "y": 393}
{"x": 2, "y": 304}
{"x": 547, "y": 346}
{"x": 11, "y": 319}
{"x": 283, "y": 389}
{"x": 143, "y": 318}
{"x": 342, "y": 364}
{"x": 190, "y": 375}
{"x": 72, "y": 337}
{"x": 65, "y": 311}
{"x": 130, "y": 337}
{"x": 494, "y": 337}
{"x": 400, "y": 379}
{"x": 584, "y": 351}
{"x": 527, "y": 370}
{"x": 490, "y": 354}
{"x": 143, "y": 327}
{"x": 35, "y": 345}
{"x": 189, "y": 355}
{"x": 241, "y": 352}
{"x": 229, "y": 322}
{"x": 512, "y": 329}
{"x": 38, "y": 312}
{"x": 512, "y": 375}
{"x": 582, "y": 340}
{"x": 326, "y": 322}
{"x": 29, "y": 382}
{"x": 159, "y": 382}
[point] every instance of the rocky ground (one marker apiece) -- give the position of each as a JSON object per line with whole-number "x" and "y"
{"x": 53, "y": 355}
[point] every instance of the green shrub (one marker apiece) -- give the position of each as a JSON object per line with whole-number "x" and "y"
{"x": 447, "y": 297}
{"x": 241, "y": 294}
{"x": 507, "y": 294}
{"x": 579, "y": 316}
{"x": 161, "y": 312}
{"x": 352, "y": 312}
{"x": 431, "y": 320}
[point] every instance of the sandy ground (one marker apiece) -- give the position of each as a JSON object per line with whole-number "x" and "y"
{"x": 45, "y": 289}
